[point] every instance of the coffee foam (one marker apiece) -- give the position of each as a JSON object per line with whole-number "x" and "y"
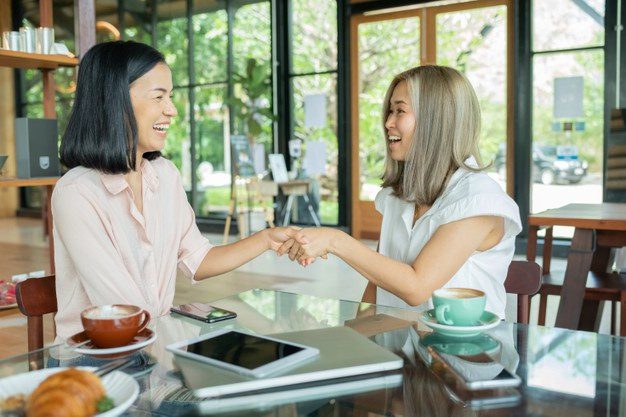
{"x": 459, "y": 293}
{"x": 109, "y": 312}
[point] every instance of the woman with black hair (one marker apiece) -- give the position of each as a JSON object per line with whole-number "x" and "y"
{"x": 122, "y": 222}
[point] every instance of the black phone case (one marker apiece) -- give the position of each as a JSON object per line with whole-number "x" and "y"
{"x": 232, "y": 315}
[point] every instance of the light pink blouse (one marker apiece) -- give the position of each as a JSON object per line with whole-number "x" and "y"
{"x": 107, "y": 252}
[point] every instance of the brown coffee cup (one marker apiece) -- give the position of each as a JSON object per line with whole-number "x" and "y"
{"x": 115, "y": 325}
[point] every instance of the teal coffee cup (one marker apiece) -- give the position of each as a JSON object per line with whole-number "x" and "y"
{"x": 459, "y": 306}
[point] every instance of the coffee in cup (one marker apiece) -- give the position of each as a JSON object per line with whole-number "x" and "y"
{"x": 459, "y": 306}
{"x": 114, "y": 325}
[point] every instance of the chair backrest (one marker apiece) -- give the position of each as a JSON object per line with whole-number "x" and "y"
{"x": 524, "y": 280}
{"x": 36, "y": 297}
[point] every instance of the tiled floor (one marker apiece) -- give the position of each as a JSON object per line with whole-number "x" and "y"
{"x": 331, "y": 278}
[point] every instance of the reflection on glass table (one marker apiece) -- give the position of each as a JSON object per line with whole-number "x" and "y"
{"x": 563, "y": 372}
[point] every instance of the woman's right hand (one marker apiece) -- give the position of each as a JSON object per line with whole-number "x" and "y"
{"x": 295, "y": 248}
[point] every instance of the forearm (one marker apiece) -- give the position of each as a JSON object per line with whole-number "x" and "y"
{"x": 222, "y": 259}
{"x": 392, "y": 275}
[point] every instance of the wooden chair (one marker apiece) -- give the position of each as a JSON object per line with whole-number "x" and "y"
{"x": 36, "y": 297}
{"x": 600, "y": 286}
{"x": 523, "y": 279}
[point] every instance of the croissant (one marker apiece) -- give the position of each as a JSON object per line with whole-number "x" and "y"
{"x": 69, "y": 393}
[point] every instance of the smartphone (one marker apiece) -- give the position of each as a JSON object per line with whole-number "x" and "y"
{"x": 204, "y": 312}
{"x": 475, "y": 372}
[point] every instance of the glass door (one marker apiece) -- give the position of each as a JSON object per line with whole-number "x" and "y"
{"x": 475, "y": 43}
{"x": 376, "y": 59}
{"x": 568, "y": 105}
{"x": 475, "y": 38}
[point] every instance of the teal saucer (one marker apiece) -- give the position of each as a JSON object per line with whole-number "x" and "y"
{"x": 466, "y": 346}
{"x": 487, "y": 321}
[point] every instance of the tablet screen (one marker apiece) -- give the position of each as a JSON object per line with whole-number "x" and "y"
{"x": 243, "y": 350}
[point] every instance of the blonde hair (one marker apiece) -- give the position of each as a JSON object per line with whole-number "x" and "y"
{"x": 447, "y": 117}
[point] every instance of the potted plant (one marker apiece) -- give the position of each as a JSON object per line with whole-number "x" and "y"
{"x": 252, "y": 109}
{"x": 251, "y": 106}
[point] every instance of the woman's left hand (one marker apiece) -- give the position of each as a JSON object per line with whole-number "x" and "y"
{"x": 314, "y": 243}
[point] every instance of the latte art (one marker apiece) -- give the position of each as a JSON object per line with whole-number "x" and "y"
{"x": 109, "y": 312}
{"x": 459, "y": 293}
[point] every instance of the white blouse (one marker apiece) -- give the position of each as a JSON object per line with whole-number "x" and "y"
{"x": 468, "y": 194}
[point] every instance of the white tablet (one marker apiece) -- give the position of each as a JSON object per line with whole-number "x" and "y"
{"x": 245, "y": 353}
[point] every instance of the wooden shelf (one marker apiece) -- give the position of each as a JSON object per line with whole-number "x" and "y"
{"x": 28, "y": 182}
{"x": 23, "y": 60}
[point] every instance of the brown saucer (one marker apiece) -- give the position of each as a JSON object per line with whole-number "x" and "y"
{"x": 141, "y": 340}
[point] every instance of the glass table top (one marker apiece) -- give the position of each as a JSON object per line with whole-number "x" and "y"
{"x": 562, "y": 372}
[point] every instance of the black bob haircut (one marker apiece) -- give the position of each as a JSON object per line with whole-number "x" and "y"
{"x": 102, "y": 130}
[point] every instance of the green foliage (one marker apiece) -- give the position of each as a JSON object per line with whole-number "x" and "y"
{"x": 314, "y": 36}
{"x": 314, "y": 49}
{"x": 252, "y": 40}
{"x": 210, "y": 117}
{"x": 214, "y": 198}
{"x": 172, "y": 41}
{"x": 249, "y": 106}
{"x": 210, "y": 31}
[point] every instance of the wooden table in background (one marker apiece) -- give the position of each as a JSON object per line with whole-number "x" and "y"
{"x": 598, "y": 228}
{"x": 46, "y": 212}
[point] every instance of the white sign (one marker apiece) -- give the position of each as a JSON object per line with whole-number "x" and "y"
{"x": 315, "y": 110}
{"x": 567, "y": 152}
{"x": 315, "y": 158}
{"x": 568, "y": 98}
{"x": 258, "y": 158}
{"x": 278, "y": 167}
{"x": 295, "y": 148}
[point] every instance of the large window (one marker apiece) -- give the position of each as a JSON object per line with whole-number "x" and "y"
{"x": 173, "y": 42}
{"x": 209, "y": 47}
{"x": 212, "y": 89}
{"x": 378, "y": 63}
{"x": 472, "y": 37}
{"x": 313, "y": 84}
{"x": 475, "y": 42}
{"x": 568, "y": 104}
{"x": 220, "y": 54}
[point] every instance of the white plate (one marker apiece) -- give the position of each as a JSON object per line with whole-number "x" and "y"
{"x": 121, "y": 388}
{"x": 7, "y": 306}
{"x": 487, "y": 321}
{"x": 121, "y": 349}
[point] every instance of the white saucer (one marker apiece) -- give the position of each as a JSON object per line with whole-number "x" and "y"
{"x": 143, "y": 339}
{"x": 121, "y": 388}
{"x": 487, "y": 321}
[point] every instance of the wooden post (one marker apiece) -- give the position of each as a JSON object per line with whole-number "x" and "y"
{"x": 573, "y": 290}
{"x": 547, "y": 250}
{"x": 8, "y": 195}
{"x": 84, "y": 26}
{"x": 531, "y": 245}
{"x": 49, "y": 112}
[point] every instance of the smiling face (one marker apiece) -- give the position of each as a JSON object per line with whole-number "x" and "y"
{"x": 151, "y": 97}
{"x": 400, "y": 123}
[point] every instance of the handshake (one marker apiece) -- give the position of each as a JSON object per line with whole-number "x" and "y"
{"x": 303, "y": 245}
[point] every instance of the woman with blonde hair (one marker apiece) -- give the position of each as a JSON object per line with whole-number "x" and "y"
{"x": 445, "y": 223}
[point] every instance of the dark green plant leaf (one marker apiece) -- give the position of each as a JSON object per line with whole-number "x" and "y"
{"x": 105, "y": 404}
